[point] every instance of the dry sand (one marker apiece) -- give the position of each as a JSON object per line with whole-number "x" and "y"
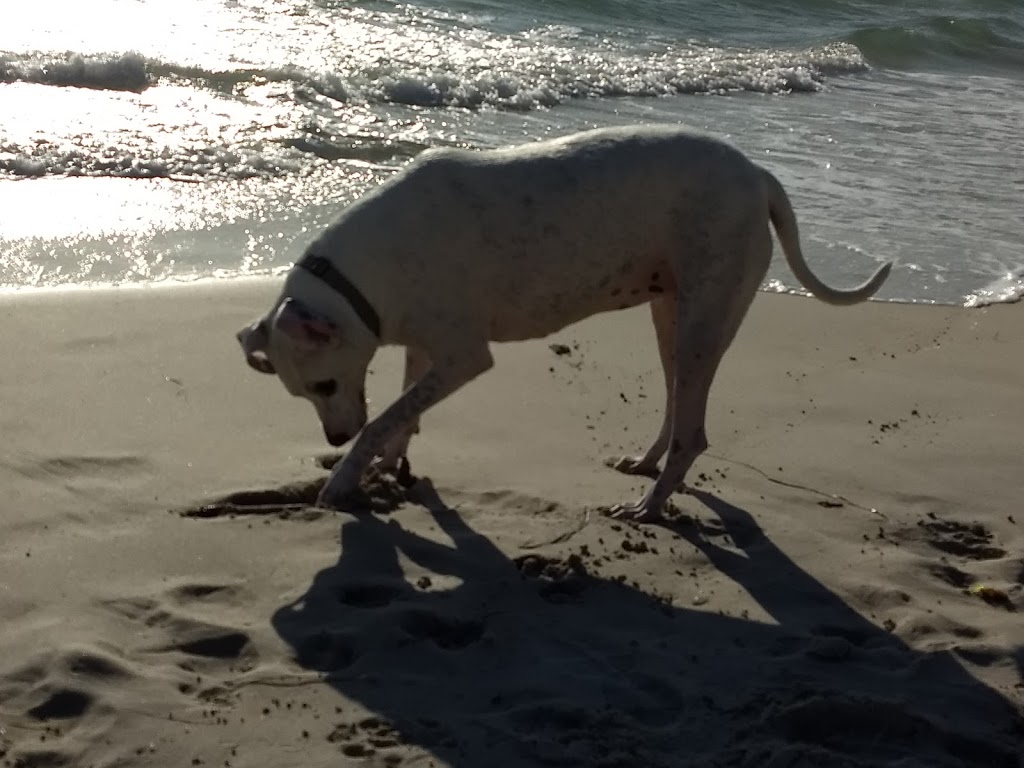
{"x": 808, "y": 606}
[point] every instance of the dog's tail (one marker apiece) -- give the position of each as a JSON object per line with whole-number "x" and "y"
{"x": 785, "y": 226}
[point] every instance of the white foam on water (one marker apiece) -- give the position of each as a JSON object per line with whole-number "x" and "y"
{"x": 154, "y": 119}
{"x": 1008, "y": 289}
{"x": 118, "y": 72}
{"x": 531, "y": 74}
{"x": 524, "y": 72}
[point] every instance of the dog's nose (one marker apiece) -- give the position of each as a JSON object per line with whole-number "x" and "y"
{"x": 337, "y": 439}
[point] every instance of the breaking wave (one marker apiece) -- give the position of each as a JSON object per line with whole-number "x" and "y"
{"x": 519, "y": 77}
{"x": 1008, "y": 289}
{"x": 123, "y": 72}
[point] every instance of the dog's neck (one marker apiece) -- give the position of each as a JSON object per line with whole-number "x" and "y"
{"x": 324, "y": 270}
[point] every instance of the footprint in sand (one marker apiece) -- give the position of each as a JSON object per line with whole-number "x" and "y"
{"x": 370, "y": 595}
{"x": 327, "y": 651}
{"x": 205, "y": 652}
{"x": 204, "y": 645}
{"x": 951, "y": 575}
{"x": 445, "y": 632}
{"x": 59, "y": 691}
{"x": 834, "y": 722}
{"x": 63, "y": 704}
{"x": 972, "y": 541}
{"x": 192, "y": 592}
{"x": 90, "y": 472}
{"x": 556, "y": 579}
{"x": 374, "y": 736}
{"x": 213, "y": 643}
{"x": 198, "y": 639}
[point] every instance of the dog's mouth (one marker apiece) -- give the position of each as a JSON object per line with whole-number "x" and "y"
{"x": 337, "y": 439}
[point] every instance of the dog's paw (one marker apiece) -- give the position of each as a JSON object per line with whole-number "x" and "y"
{"x": 329, "y": 501}
{"x": 631, "y": 465}
{"x": 357, "y": 501}
{"x": 403, "y": 473}
{"x": 389, "y": 461}
{"x": 339, "y": 488}
{"x": 637, "y": 512}
{"x": 401, "y": 470}
{"x": 376, "y": 492}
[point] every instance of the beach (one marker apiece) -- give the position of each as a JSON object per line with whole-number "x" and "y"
{"x": 842, "y": 587}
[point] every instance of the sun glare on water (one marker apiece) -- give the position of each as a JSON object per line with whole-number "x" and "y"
{"x": 125, "y": 121}
{"x": 186, "y": 31}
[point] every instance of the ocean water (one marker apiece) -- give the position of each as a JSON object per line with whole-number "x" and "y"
{"x": 153, "y": 140}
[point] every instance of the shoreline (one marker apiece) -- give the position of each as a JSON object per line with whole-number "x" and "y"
{"x": 277, "y": 273}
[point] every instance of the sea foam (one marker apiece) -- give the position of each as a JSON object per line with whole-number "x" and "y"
{"x": 114, "y": 72}
{"x": 523, "y": 74}
{"x": 1007, "y": 289}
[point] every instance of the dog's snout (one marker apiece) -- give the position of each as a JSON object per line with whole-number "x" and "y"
{"x": 338, "y": 439}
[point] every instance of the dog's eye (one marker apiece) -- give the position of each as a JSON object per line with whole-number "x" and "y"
{"x": 324, "y": 388}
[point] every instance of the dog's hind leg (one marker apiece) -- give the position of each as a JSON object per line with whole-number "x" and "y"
{"x": 663, "y": 314}
{"x": 417, "y": 363}
{"x": 705, "y": 327}
{"x": 695, "y": 364}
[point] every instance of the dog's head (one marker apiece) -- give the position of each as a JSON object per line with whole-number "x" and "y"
{"x": 316, "y": 358}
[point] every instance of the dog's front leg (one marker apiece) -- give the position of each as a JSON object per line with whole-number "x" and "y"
{"x": 417, "y": 363}
{"x": 450, "y": 371}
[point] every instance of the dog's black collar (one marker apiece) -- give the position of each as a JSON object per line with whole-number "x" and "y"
{"x": 323, "y": 269}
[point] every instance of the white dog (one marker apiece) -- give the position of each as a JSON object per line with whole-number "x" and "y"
{"x": 465, "y": 248}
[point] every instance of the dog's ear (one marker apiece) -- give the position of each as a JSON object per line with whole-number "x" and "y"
{"x": 254, "y": 338}
{"x": 304, "y": 327}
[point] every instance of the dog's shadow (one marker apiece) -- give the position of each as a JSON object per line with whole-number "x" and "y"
{"x": 536, "y": 660}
